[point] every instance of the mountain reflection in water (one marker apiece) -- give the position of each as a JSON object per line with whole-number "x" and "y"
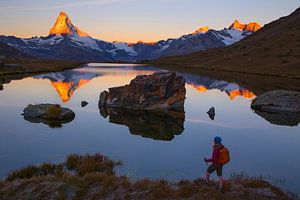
{"x": 65, "y": 83}
{"x": 204, "y": 84}
{"x": 158, "y": 125}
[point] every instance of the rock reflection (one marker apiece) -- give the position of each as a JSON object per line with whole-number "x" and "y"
{"x": 158, "y": 125}
{"x": 50, "y": 122}
{"x": 281, "y": 119}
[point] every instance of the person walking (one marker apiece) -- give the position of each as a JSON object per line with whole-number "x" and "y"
{"x": 220, "y": 157}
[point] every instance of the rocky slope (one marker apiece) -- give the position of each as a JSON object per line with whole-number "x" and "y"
{"x": 273, "y": 50}
{"x": 68, "y": 42}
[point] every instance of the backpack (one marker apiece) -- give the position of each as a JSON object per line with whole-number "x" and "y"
{"x": 224, "y": 156}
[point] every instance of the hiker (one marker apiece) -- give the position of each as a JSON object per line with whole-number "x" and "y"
{"x": 220, "y": 157}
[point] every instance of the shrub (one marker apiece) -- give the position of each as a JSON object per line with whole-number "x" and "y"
{"x": 87, "y": 164}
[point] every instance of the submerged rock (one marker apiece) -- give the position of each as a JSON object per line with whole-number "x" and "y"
{"x": 50, "y": 114}
{"x": 84, "y": 103}
{"x": 211, "y": 113}
{"x": 278, "y": 101}
{"x": 161, "y": 90}
{"x": 158, "y": 125}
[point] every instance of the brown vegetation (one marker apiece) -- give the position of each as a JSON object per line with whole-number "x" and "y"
{"x": 32, "y": 65}
{"x": 93, "y": 177}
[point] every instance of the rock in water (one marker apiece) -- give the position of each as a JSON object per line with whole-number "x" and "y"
{"x": 278, "y": 101}
{"x": 50, "y": 114}
{"x": 48, "y": 111}
{"x": 211, "y": 113}
{"x": 161, "y": 90}
{"x": 84, "y": 103}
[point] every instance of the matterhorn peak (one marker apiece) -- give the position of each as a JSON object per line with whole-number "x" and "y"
{"x": 251, "y": 27}
{"x": 203, "y": 29}
{"x": 64, "y": 26}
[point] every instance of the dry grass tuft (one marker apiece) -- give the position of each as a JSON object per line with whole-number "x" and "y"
{"x": 88, "y": 164}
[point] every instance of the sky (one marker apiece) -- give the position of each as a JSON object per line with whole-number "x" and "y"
{"x": 135, "y": 20}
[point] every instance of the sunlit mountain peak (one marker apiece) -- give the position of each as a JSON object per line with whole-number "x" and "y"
{"x": 203, "y": 29}
{"x": 64, "y": 26}
{"x": 237, "y": 25}
{"x": 252, "y": 26}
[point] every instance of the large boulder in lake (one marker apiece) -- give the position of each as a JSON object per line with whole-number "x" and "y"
{"x": 161, "y": 90}
{"x": 50, "y": 114}
{"x": 278, "y": 101}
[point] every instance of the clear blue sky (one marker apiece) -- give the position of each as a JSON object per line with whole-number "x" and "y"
{"x": 132, "y": 20}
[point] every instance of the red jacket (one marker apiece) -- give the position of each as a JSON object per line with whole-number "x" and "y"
{"x": 216, "y": 154}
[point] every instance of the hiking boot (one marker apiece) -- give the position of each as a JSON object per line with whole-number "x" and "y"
{"x": 221, "y": 190}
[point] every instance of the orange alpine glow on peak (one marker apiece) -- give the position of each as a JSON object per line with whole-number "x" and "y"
{"x": 64, "y": 26}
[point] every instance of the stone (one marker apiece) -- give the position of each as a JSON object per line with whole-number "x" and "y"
{"x": 161, "y": 125}
{"x": 211, "y": 113}
{"x": 48, "y": 111}
{"x": 103, "y": 98}
{"x": 277, "y": 101}
{"x": 84, "y": 103}
{"x": 161, "y": 90}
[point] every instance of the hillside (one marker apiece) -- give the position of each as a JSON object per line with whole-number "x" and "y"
{"x": 11, "y": 52}
{"x": 272, "y": 50}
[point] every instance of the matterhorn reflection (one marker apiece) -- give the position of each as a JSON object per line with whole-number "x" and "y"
{"x": 66, "y": 82}
{"x": 158, "y": 125}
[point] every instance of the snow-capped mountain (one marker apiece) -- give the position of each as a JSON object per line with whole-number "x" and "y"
{"x": 66, "y": 41}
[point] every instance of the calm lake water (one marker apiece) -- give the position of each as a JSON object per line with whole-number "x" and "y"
{"x": 171, "y": 146}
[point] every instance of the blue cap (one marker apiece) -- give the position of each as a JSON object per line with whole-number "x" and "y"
{"x": 218, "y": 140}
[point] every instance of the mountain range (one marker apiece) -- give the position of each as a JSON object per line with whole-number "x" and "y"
{"x": 67, "y": 42}
{"x": 272, "y": 50}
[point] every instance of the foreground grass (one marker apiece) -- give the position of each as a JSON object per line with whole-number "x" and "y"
{"x": 93, "y": 177}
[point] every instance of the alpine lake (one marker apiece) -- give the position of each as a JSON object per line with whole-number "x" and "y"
{"x": 169, "y": 146}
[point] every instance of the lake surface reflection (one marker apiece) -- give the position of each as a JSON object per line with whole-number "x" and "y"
{"x": 168, "y": 145}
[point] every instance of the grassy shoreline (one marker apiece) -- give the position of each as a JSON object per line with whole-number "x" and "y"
{"x": 93, "y": 177}
{"x": 29, "y": 66}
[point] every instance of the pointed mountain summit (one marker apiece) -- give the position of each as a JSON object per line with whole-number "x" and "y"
{"x": 251, "y": 27}
{"x": 64, "y": 26}
{"x": 203, "y": 29}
